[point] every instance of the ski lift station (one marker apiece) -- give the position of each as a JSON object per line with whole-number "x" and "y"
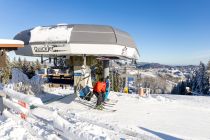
{"x": 78, "y": 47}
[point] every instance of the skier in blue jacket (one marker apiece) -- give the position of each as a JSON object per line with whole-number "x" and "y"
{"x": 107, "y": 88}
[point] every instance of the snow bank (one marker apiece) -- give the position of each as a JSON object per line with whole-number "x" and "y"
{"x": 157, "y": 98}
{"x": 10, "y": 130}
{"x": 151, "y": 117}
{"x": 36, "y": 83}
{"x": 63, "y": 126}
{"x": 31, "y": 100}
{"x": 18, "y": 129}
{"x": 147, "y": 98}
{"x": 77, "y": 130}
{"x": 19, "y": 78}
{"x": 14, "y": 106}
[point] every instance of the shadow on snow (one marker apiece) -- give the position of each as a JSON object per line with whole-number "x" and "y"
{"x": 48, "y": 98}
{"x": 161, "y": 135}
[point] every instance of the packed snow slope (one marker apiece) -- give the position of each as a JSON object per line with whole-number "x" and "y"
{"x": 159, "y": 116}
{"x": 126, "y": 116}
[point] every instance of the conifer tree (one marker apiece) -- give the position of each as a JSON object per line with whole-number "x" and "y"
{"x": 201, "y": 80}
{"x": 6, "y": 72}
{"x": 116, "y": 82}
{"x": 99, "y": 70}
{"x": 37, "y": 65}
{"x": 30, "y": 72}
{"x": 208, "y": 68}
{"x": 19, "y": 63}
{"x": 14, "y": 63}
{"x": 182, "y": 88}
{"x": 208, "y": 65}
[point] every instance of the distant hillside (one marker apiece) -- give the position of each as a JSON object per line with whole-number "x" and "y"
{"x": 187, "y": 66}
{"x": 145, "y": 65}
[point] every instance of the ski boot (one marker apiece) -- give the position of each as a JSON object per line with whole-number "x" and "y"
{"x": 99, "y": 107}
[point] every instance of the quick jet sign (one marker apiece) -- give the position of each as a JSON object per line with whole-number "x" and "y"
{"x": 42, "y": 49}
{"x": 51, "y": 49}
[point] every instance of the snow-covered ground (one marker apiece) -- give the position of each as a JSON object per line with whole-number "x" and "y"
{"x": 127, "y": 116}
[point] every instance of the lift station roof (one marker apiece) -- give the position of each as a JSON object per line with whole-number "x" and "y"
{"x": 77, "y": 39}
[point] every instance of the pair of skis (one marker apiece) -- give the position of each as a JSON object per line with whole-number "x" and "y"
{"x": 109, "y": 106}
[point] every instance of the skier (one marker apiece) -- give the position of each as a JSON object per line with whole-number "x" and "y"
{"x": 103, "y": 90}
{"x": 107, "y": 88}
{"x": 97, "y": 90}
{"x": 1, "y": 103}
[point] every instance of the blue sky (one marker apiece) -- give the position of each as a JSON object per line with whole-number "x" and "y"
{"x": 165, "y": 31}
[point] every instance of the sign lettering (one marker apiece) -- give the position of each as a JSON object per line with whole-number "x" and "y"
{"x": 43, "y": 48}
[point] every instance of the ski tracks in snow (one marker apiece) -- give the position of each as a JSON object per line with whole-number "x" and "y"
{"x": 38, "y": 128}
{"x": 113, "y": 131}
{"x": 40, "y": 125}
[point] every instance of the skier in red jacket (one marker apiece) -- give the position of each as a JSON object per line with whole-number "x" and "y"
{"x": 103, "y": 91}
{"x": 99, "y": 89}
